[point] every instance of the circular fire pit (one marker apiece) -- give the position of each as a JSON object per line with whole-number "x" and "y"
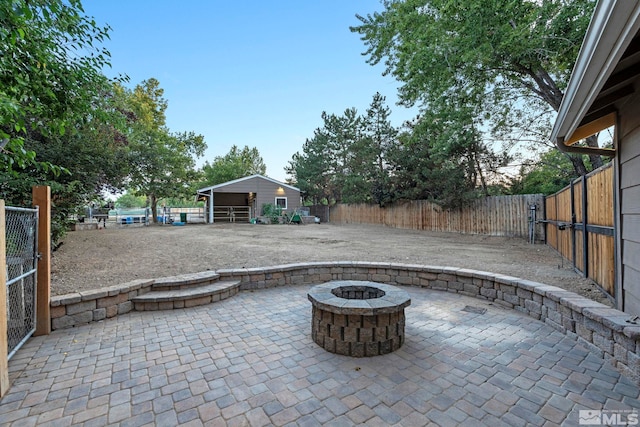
{"x": 358, "y": 318}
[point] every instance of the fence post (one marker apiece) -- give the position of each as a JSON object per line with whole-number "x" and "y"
{"x": 42, "y": 198}
{"x": 4, "y": 337}
{"x": 585, "y": 234}
{"x": 545, "y": 224}
{"x": 572, "y": 229}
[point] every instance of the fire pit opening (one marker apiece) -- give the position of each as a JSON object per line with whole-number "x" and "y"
{"x": 358, "y": 318}
{"x": 358, "y": 292}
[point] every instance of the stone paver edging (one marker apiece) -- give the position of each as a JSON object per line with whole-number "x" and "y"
{"x": 607, "y": 332}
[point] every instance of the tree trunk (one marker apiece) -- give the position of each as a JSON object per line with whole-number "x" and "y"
{"x": 596, "y": 160}
{"x": 154, "y": 207}
{"x": 578, "y": 164}
{"x": 547, "y": 89}
{"x": 481, "y": 175}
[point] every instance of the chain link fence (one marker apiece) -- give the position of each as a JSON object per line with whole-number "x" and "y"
{"x": 22, "y": 249}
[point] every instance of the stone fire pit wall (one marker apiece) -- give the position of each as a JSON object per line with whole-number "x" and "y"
{"x": 358, "y": 318}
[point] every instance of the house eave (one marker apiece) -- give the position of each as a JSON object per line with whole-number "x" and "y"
{"x": 208, "y": 190}
{"x": 613, "y": 26}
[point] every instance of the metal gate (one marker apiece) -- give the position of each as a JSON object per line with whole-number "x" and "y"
{"x": 22, "y": 256}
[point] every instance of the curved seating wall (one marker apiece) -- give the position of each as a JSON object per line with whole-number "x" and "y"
{"x": 607, "y": 332}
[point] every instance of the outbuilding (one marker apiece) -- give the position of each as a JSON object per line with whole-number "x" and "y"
{"x": 242, "y": 199}
{"x": 603, "y": 93}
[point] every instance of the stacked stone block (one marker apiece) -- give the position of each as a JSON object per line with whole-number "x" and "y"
{"x": 357, "y": 335}
{"x": 92, "y": 306}
{"x": 358, "y": 318}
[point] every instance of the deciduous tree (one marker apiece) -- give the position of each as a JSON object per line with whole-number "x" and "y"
{"x": 233, "y": 165}
{"x": 50, "y": 74}
{"x": 58, "y": 125}
{"x": 162, "y": 162}
{"x": 549, "y": 174}
{"x": 499, "y": 56}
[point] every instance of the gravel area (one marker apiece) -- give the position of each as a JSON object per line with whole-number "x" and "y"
{"x": 118, "y": 254}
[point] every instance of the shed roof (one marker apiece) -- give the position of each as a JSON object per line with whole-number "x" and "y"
{"x": 608, "y": 62}
{"x": 246, "y": 178}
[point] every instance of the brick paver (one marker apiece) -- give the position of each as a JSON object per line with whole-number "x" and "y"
{"x": 250, "y": 360}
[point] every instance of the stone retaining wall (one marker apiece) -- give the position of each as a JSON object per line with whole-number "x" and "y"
{"x": 98, "y": 304}
{"x": 608, "y": 332}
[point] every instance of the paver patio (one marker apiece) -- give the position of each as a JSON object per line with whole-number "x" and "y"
{"x": 250, "y": 360}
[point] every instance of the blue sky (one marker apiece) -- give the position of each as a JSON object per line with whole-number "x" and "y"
{"x": 256, "y": 73}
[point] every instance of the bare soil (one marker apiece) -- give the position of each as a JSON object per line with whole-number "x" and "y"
{"x": 119, "y": 254}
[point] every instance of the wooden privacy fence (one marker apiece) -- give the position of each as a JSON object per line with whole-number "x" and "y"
{"x": 495, "y": 216}
{"x": 581, "y": 228}
{"x": 320, "y": 211}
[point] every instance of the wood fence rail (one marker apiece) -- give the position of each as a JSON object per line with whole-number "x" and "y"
{"x": 494, "y": 216}
{"x": 580, "y": 226}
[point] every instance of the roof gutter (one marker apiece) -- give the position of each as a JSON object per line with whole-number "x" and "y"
{"x": 608, "y": 152}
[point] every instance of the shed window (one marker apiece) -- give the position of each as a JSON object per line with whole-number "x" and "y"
{"x": 281, "y": 202}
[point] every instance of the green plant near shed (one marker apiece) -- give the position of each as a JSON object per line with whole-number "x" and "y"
{"x": 272, "y": 212}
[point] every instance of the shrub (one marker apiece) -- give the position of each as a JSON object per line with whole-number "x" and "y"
{"x": 272, "y": 212}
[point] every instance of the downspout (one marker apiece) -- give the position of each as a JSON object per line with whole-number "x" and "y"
{"x": 618, "y": 295}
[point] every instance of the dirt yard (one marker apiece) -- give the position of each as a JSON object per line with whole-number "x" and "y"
{"x": 117, "y": 254}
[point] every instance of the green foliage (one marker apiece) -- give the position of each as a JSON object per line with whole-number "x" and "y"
{"x": 92, "y": 158}
{"x": 345, "y": 160}
{"x": 69, "y": 197}
{"x": 272, "y": 212}
{"x": 162, "y": 163}
{"x": 89, "y": 134}
{"x": 423, "y": 169}
{"x": 381, "y": 138}
{"x": 503, "y": 64}
{"x": 233, "y": 165}
{"x": 363, "y": 159}
{"x": 181, "y": 202}
{"x": 311, "y": 170}
{"x": 128, "y": 200}
{"x": 437, "y": 47}
{"x": 50, "y": 75}
{"x": 58, "y": 124}
{"x": 483, "y": 72}
{"x": 550, "y": 174}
